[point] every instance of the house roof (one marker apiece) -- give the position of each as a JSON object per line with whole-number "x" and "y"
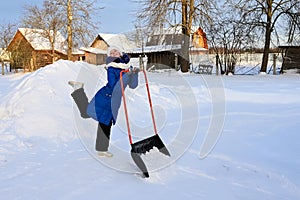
{"x": 155, "y": 48}
{"x": 192, "y": 48}
{"x": 172, "y": 30}
{"x": 161, "y": 48}
{"x": 93, "y": 50}
{"x": 173, "y": 36}
{"x": 119, "y": 40}
{"x": 4, "y": 55}
{"x": 39, "y": 41}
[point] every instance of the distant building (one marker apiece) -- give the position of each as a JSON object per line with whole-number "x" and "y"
{"x": 291, "y": 57}
{"x": 160, "y": 56}
{"x": 163, "y": 48}
{"x": 4, "y": 55}
{"x": 94, "y": 56}
{"x": 30, "y": 49}
{"x": 103, "y": 41}
{"x": 96, "y": 53}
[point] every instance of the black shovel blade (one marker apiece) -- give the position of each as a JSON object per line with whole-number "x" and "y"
{"x": 147, "y": 144}
{"x": 140, "y": 163}
{"x": 141, "y": 147}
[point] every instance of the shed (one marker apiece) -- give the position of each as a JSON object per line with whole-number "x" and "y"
{"x": 160, "y": 56}
{"x": 96, "y": 53}
{"x": 94, "y": 56}
{"x": 291, "y": 57}
{"x": 4, "y": 55}
{"x": 4, "y": 59}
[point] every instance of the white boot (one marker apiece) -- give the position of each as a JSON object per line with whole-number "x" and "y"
{"x": 105, "y": 154}
{"x": 76, "y": 85}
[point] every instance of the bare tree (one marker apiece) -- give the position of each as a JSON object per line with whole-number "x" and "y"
{"x": 70, "y": 29}
{"x": 53, "y": 15}
{"x": 265, "y": 14}
{"x": 81, "y": 27}
{"x": 7, "y": 31}
{"x": 47, "y": 21}
{"x": 174, "y": 13}
{"x": 293, "y": 28}
{"x": 229, "y": 36}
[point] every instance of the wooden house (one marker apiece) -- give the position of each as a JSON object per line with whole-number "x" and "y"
{"x": 291, "y": 57}
{"x": 198, "y": 42}
{"x": 77, "y": 55}
{"x": 103, "y": 41}
{"x": 96, "y": 53}
{"x": 163, "y": 49}
{"x": 94, "y": 56}
{"x": 4, "y": 59}
{"x": 4, "y": 55}
{"x": 30, "y": 49}
{"x": 158, "y": 56}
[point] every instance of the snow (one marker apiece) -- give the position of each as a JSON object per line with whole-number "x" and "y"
{"x": 230, "y": 137}
{"x": 93, "y": 50}
{"x": 119, "y": 40}
{"x": 156, "y": 48}
{"x": 38, "y": 39}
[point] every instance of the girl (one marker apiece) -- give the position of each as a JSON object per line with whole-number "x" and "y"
{"x": 105, "y": 104}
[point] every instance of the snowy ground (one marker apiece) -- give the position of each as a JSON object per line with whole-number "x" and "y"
{"x": 250, "y": 124}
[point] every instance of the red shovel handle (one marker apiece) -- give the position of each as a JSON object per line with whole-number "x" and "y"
{"x": 125, "y": 106}
{"x": 124, "y": 102}
{"x": 150, "y": 102}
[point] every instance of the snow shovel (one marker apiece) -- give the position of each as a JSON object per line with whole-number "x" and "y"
{"x": 141, "y": 147}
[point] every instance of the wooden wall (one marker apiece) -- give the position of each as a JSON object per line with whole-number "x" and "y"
{"x": 161, "y": 60}
{"x": 99, "y": 43}
{"x": 96, "y": 59}
{"x": 291, "y": 57}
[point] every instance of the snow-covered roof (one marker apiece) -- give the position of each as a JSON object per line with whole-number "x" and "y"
{"x": 78, "y": 52}
{"x": 173, "y": 30}
{"x": 160, "y": 48}
{"x": 192, "y": 48}
{"x": 4, "y": 55}
{"x": 289, "y": 45}
{"x": 119, "y": 40}
{"x": 39, "y": 41}
{"x": 93, "y": 50}
{"x": 173, "y": 36}
{"x": 156, "y": 48}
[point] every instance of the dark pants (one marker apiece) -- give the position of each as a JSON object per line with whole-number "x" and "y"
{"x": 103, "y": 136}
{"x": 103, "y": 131}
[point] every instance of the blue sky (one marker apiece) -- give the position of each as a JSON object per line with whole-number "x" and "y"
{"x": 116, "y": 17}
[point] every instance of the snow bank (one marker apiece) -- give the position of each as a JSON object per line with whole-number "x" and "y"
{"x": 47, "y": 150}
{"x": 39, "y": 105}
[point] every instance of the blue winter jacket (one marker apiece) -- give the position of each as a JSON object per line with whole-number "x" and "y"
{"x": 105, "y": 104}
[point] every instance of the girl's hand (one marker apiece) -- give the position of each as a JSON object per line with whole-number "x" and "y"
{"x": 133, "y": 70}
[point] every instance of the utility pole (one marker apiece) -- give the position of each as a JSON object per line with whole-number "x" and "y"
{"x": 70, "y": 18}
{"x": 184, "y": 60}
